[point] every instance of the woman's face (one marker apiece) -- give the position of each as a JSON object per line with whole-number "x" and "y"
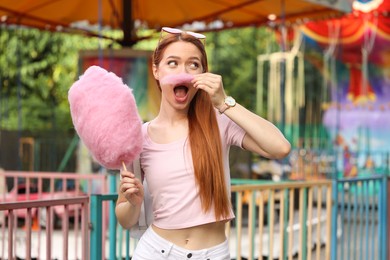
{"x": 179, "y": 57}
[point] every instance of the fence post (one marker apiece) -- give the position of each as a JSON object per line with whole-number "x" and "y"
{"x": 388, "y": 216}
{"x": 304, "y": 222}
{"x": 96, "y": 230}
{"x": 383, "y": 217}
{"x": 113, "y": 222}
{"x": 333, "y": 244}
{"x": 97, "y": 244}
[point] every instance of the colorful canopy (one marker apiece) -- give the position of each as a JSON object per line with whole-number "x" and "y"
{"x": 358, "y": 109}
{"x": 65, "y": 14}
{"x": 359, "y": 39}
{"x": 355, "y": 31}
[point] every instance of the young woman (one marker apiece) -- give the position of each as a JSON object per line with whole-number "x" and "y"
{"x": 185, "y": 156}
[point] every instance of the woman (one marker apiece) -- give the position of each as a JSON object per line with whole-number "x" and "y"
{"x": 185, "y": 156}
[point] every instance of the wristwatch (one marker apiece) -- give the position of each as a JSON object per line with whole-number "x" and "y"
{"x": 228, "y": 103}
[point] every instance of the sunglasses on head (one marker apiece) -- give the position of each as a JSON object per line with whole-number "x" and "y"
{"x": 178, "y": 31}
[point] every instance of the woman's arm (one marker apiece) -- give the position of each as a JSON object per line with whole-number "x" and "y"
{"x": 130, "y": 198}
{"x": 262, "y": 137}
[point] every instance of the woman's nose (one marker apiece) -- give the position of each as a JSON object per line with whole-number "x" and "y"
{"x": 183, "y": 69}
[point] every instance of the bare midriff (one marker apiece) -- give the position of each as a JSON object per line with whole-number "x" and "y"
{"x": 195, "y": 238}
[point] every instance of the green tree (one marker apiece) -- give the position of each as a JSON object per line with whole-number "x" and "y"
{"x": 38, "y": 67}
{"x": 36, "y": 70}
{"x": 234, "y": 55}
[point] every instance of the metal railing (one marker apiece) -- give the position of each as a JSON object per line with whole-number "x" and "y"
{"x": 269, "y": 217}
{"x": 51, "y": 182}
{"x": 35, "y": 187}
{"x": 15, "y": 234}
{"x": 120, "y": 242}
{"x": 284, "y": 220}
{"x": 361, "y": 204}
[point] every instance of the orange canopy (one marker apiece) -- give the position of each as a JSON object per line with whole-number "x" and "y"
{"x": 64, "y": 14}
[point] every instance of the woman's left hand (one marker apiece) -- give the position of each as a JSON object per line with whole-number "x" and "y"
{"x": 212, "y": 84}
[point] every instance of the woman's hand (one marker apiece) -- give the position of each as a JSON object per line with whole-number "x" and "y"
{"x": 212, "y": 84}
{"x": 131, "y": 188}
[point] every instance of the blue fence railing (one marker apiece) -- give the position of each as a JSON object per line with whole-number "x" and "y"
{"x": 358, "y": 222}
{"x": 360, "y": 211}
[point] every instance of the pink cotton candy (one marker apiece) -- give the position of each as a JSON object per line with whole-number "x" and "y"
{"x": 177, "y": 79}
{"x": 105, "y": 116}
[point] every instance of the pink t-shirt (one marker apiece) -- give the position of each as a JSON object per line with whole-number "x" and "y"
{"x": 171, "y": 181}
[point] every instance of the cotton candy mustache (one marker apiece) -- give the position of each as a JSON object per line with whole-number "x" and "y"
{"x": 177, "y": 79}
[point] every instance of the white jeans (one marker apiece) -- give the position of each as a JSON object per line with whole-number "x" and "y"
{"x": 153, "y": 247}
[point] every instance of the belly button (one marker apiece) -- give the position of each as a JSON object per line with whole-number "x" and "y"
{"x": 187, "y": 241}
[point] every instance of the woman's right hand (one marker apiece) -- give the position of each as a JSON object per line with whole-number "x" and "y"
{"x": 131, "y": 188}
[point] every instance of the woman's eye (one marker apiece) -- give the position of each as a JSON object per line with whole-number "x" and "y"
{"x": 172, "y": 63}
{"x": 194, "y": 65}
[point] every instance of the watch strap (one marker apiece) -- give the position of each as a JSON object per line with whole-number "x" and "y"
{"x": 224, "y": 108}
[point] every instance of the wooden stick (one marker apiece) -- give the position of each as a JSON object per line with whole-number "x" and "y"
{"x": 124, "y": 166}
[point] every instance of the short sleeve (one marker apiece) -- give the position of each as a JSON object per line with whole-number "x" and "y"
{"x": 232, "y": 133}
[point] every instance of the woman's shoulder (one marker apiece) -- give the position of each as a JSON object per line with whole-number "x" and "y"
{"x": 145, "y": 129}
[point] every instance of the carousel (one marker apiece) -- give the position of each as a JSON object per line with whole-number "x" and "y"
{"x": 339, "y": 122}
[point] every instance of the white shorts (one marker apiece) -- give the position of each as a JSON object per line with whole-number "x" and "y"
{"x": 153, "y": 247}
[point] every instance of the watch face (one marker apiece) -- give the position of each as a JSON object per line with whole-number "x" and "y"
{"x": 230, "y": 101}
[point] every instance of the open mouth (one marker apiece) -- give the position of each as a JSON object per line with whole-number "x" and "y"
{"x": 180, "y": 91}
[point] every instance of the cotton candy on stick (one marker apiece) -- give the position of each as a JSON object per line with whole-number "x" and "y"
{"x": 105, "y": 116}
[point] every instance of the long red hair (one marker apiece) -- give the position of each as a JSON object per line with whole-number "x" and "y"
{"x": 204, "y": 138}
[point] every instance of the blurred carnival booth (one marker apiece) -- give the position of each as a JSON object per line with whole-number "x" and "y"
{"x": 328, "y": 90}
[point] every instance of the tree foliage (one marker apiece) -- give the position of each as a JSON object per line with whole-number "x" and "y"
{"x": 234, "y": 56}
{"x": 36, "y": 70}
{"x": 38, "y": 67}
